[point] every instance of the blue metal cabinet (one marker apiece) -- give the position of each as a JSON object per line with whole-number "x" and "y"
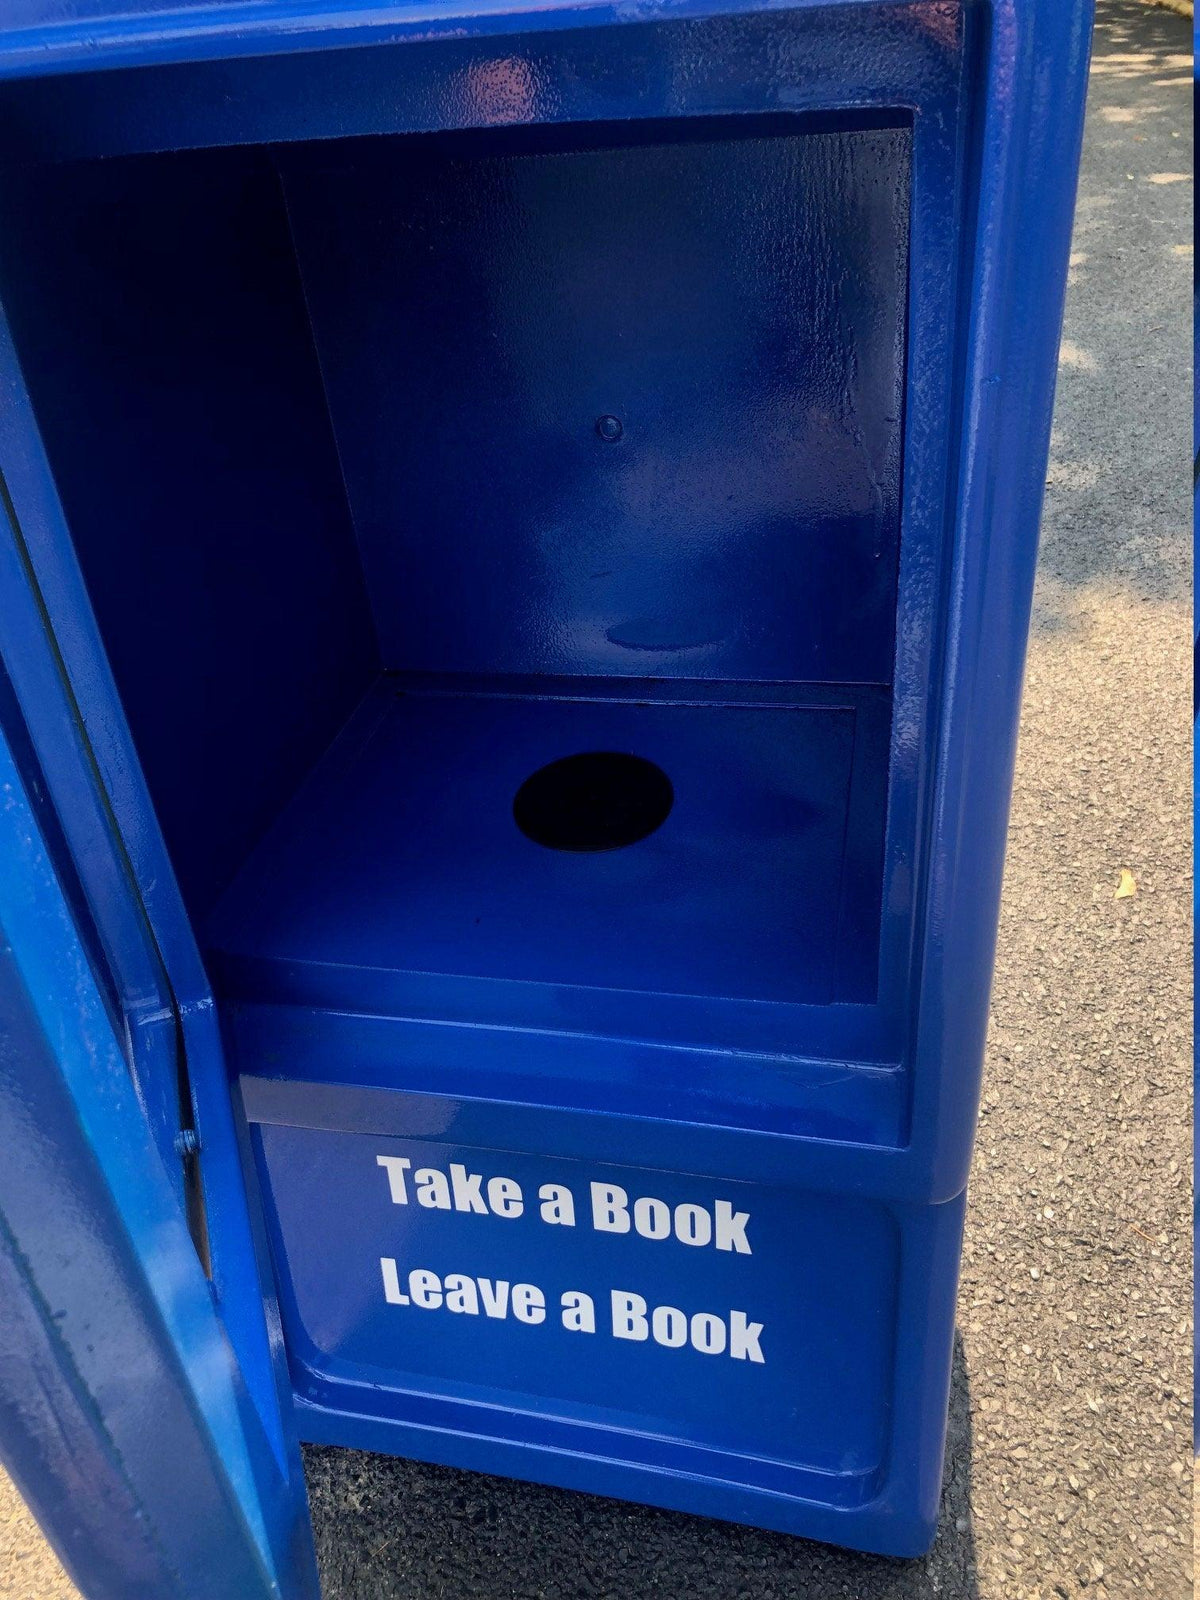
{"x": 523, "y": 531}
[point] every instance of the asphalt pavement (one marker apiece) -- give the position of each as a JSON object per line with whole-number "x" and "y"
{"x": 1069, "y": 1464}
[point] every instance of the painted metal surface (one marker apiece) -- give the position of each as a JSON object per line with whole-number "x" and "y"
{"x": 703, "y": 359}
{"x": 741, "y": 1368}
{"x": 61, "y": 712}
{"x": 737, "y": 304}
{"x": 145, "y": 430}
{"x": 123, "y": 1416}
{"x": 62, "y": 709}
{"x": 768, "y": 793}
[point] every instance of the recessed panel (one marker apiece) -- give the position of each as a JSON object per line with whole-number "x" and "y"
{"x": 737, "y": 1317}
{"x": 628, "y": 407}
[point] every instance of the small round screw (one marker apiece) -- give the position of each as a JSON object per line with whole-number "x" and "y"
{"x": 187, "y": 1142}
{"x": 609, "y": 429}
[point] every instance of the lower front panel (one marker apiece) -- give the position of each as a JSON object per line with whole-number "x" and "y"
{"x": 716, "y": 1345}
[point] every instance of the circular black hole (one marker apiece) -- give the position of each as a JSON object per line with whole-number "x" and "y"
{"x": 597, "y": 801}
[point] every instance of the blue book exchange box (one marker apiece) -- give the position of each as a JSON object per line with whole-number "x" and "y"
{"x": 519, "y": 528}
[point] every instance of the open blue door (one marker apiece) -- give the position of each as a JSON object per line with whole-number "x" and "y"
{"x": 140, "y": 1407}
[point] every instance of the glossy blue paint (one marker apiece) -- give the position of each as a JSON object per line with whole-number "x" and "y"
{"x": 737, "y": 302}
{"x": 807, "y": 1397}
{"x": 769, "y": 792}
{"x": 123, "y": 1415}
{"x": 140, "y": 426}
{"x": 326, "y": 417}
{"x": 791, "y": 1444}
{"x": 64, "y": 711}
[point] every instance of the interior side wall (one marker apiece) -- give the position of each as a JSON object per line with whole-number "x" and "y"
{"x": 160, "y": 321}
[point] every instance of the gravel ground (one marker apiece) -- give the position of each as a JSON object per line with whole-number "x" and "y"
{"x": 1069, "y": 1461}
{"x": 29, "y": 1569}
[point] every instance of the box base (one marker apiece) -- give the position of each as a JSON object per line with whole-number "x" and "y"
{"x": 750, "y": 1350}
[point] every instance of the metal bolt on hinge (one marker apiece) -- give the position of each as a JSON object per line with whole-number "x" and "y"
{"x": 187, "y": 1142}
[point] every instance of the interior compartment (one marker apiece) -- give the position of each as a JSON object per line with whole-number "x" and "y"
{"x": 400, "y": 469}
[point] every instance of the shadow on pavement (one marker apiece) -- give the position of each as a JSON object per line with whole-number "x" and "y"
{"x": 398, "y": 1530}
{"x": 1123, "y": 412}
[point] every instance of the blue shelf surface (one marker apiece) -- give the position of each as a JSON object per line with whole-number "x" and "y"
{"x": 401, "y": 852}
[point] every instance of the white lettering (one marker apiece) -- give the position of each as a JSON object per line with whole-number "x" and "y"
{"x": 693, "y": 1225}
{"x": 433, "y": 1192}
{"x": 610, "y": 1208}
{"x": 467, "y": 1185}
{"x": 670, "y": 1326}
{"x": 743, "y": 1338}
{"x": 558, "y": 1204}
{"x": 391, "y": 1282}
{"x": 708, "y": 1333}
{"x": 494, "y": 1297}
{"x": 395, "y": 1167}
{"x": 425, "y": 1288}
{"x": 578, "y": 1312}
{"x": 632, "y": 1318}
{"x": 528, "y": 1303}
{"x": 731, "y": 1229}
{"x": 460, "y": 1294}
{"x": 629, "y": 1316}
{"x": 652, "y": 1218}
{"x": 504, "y": 1197}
